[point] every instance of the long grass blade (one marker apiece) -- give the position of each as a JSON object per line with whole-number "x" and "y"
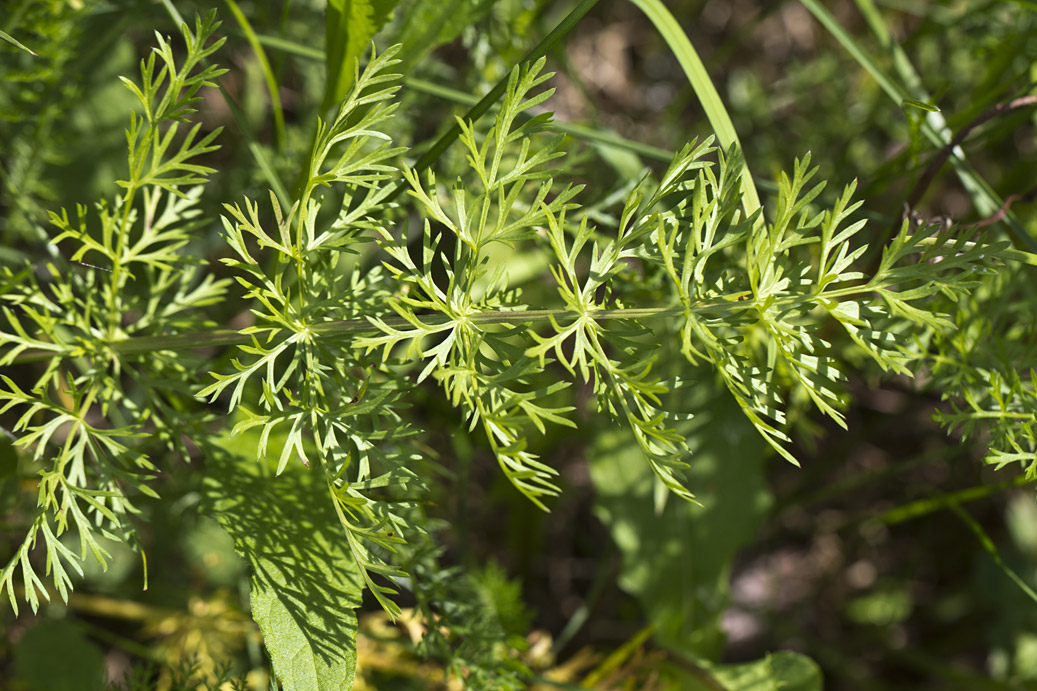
{"x": 15, "y": 42}
{"x": 268, "y": 73}
{"x": 934, "y": 127}
{"x": 246, "y": 131}
{"x": 707, "y": 94}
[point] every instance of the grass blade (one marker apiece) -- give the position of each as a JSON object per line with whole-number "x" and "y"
{"x": 991, "y": 549}
{"x": 15, "y": 42}
{"x": 707, "y": 94}
{"x": 268, "y": 73}
{"x": 934, "y": 127}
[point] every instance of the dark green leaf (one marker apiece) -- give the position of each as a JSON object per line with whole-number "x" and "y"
{"x": 56, "y": 656}
{"x": 676, "y": 561}
{"x": 305, "y": 583}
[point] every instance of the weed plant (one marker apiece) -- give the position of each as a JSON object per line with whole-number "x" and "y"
{"x": 275, "y": 349}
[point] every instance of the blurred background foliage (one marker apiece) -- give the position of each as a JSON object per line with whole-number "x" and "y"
{"x": 858, "y": 560}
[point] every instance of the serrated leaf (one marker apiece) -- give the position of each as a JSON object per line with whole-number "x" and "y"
{"x": 305, "y": 583}
{"x": 349, "y": 26}
{"x": 783, "y": 670}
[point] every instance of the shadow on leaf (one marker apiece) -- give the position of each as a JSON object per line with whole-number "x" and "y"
{"x": 304, "y": 583}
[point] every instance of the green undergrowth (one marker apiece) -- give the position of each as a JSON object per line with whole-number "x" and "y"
{"x": 275, "y": 337}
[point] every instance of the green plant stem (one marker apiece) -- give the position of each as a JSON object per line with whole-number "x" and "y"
{"x": 990, "y": 548}
{"x": 228, "y": 337}
{"x": 225, "y": 337}
{"x": 928, "y": 505}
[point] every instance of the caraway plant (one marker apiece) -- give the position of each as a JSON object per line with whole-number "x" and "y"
{"x": 263, "y": 381}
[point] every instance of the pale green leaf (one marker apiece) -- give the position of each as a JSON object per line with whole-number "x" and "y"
{"x": 15, "y": 42}
{"x": 781, "y": 671}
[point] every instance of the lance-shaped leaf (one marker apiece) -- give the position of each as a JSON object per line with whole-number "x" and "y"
{"x": 305, "y": 583}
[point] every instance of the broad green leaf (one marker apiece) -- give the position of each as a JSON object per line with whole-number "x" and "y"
{"x": 784, "y": 671}
{"x": 56, "y": 655}
{"x": 305, "y": 583}
{"x": 427, "y": 25}
{"x": 349, "y": 27}
{"x": 677, "y": 561}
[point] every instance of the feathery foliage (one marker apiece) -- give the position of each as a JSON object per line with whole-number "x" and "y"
{"x": 775, "y": 304}
{"x": 79, "y": 418}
